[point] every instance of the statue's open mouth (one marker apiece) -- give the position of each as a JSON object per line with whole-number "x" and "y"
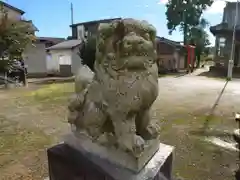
{"x": 137, "y": 62}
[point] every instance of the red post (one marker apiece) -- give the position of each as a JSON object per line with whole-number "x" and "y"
{"x": 190, "y": 57}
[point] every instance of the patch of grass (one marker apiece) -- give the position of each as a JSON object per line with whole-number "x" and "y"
{"x": 52, "y": 92}
{"x": 17, "y": 144}
{"x": 197, "y": 159}
{"x": 194, "y": 157}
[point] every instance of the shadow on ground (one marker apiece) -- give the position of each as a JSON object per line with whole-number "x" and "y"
{"x": 211, "y": 74}
{"x": 203, "y": 133}
{"x": 173, "y": 74}
{"x": 211, "y": 112}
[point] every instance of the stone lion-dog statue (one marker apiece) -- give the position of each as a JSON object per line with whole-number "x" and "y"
{"x": 111, "y": 105}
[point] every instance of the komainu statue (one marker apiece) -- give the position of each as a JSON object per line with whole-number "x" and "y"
{"x": 111, "y": 105}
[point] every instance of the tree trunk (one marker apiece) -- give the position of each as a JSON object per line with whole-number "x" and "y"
{"x": 5, "y": 80}
{"x": 198, "y": 60}
{"x": 25, "y": 79}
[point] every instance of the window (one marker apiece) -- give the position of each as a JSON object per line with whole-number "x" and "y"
{"x": 49, "y": 57}
{"x": 86, "y": 34}
{"x": 80, "y": 32}
{"x": 64, "y": 60}
{"x": 222, "y": 41}
{"x": 222, "y": 44}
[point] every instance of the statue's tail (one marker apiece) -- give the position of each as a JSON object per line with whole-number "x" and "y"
{"x": 83, "y": 77}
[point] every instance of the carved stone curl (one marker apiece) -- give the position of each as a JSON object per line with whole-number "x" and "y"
{"x": 112, "y": 105}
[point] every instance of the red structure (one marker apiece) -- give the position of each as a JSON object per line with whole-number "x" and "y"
{"x": 190, "y": 57}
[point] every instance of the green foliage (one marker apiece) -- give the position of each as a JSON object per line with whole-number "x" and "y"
{"x": 14, "y": 37}
{"x": 88, "y": 52}
{"x": 199, "y": 37}
{"x": 185, "y": 13}
{"x": 207, "y": 51}
{"x": 3, "y": 65}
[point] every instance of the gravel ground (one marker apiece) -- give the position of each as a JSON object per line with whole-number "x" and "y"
{"x": 179, "y": 97}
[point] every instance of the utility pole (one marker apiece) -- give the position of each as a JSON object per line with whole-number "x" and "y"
{"x": 232, "y": 55}
{"x": 71, "y": 13}
{"x": 185, "y": 29}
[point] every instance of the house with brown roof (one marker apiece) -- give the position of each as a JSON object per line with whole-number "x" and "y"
{"x": 170, "y": 55}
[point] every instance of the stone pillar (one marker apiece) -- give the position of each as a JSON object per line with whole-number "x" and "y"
{"x": 227, "y": 50}
{"x": 216, "y": 47}
{"x": 238, "y": 51}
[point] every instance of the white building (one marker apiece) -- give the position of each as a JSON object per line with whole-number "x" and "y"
{"x": 64, "y": 58}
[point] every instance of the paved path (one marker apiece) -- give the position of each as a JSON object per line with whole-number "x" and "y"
{"x": 193, "y": 92}
{"x": 189, "y": 93}
{"x": 198, "y": 94}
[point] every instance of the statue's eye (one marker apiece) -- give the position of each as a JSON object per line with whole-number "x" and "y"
{"x": 128, "y": 43}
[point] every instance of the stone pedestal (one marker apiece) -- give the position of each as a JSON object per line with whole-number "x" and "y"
{"x": 117, "y": 156}
{"x": 236, "y": 135}
{"x": 67, "y": 163}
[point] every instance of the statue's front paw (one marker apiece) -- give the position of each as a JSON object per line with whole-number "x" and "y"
{"x": 153, "y": 131}
{"x": 138, "y": 145}
{"x": 72, "y": 116}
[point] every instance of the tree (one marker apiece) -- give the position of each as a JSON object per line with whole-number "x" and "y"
{"x": 14, "y": 37}
{"x": 199, "y": 37}
{"x": 207, "y": 51}
{"x": 88, "y": 52}
{"x": 185, "y": 14}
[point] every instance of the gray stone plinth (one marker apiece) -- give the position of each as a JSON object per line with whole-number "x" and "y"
{"x": 160, "y": 163}
{"x": 236, "y": 135}
{"x": 116, "y": 156}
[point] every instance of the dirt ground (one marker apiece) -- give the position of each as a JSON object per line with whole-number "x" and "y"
{"x": 188, "y": 108}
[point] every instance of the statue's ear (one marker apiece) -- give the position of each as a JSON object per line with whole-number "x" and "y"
{"x": 118, "y": 35}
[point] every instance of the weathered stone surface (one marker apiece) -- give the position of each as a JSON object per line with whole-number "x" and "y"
{"x": 236, "y": 135}
{"x": 112, "y": 154}
{"x": 67, "y": 163}
{"x": 111, "y": 107}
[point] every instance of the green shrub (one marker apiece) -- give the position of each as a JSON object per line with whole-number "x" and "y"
{"x": 88, "y": 53}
